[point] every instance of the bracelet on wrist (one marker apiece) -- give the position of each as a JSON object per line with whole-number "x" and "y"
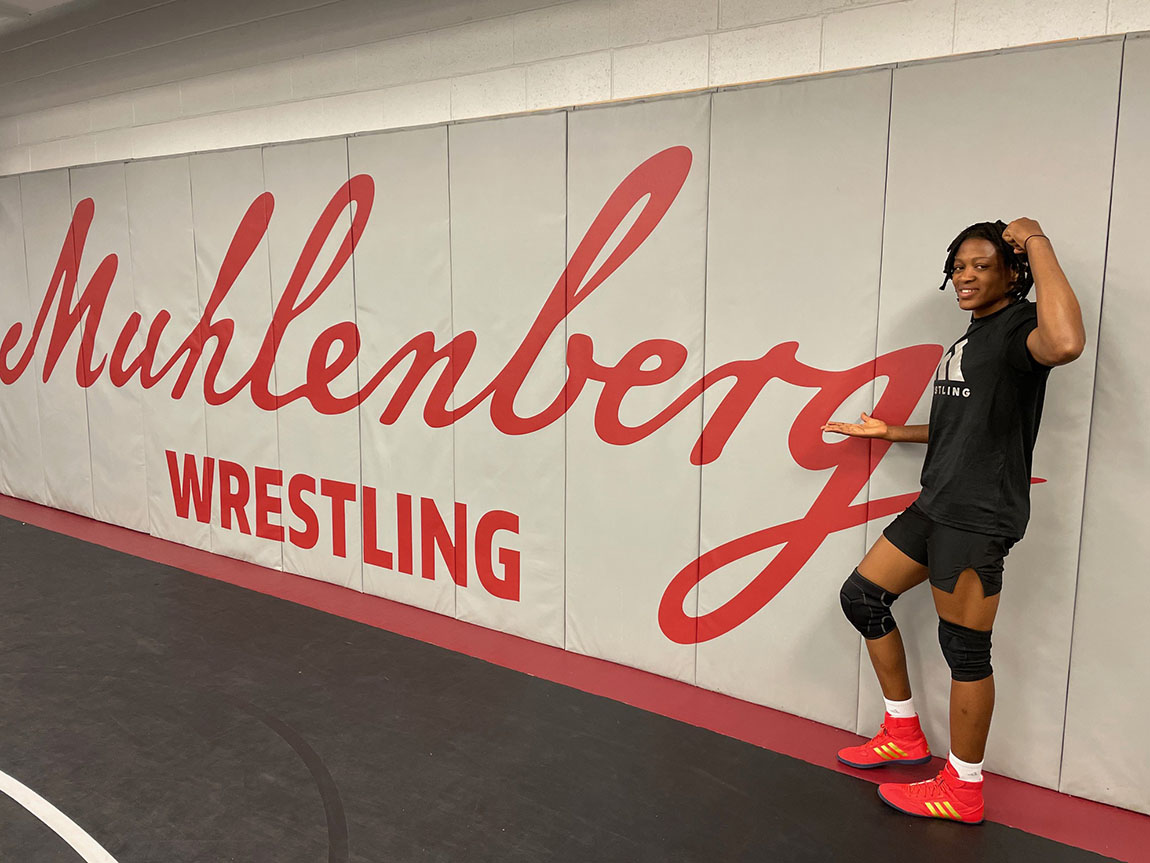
{"x": 1031, "y": 237}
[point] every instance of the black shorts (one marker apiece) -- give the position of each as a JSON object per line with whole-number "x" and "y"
{"x": 947, "y": 551}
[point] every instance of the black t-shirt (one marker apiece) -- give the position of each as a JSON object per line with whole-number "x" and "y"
{"x": 984, "y": 417}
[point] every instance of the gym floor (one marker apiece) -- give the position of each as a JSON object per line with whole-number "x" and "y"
{"x": 175, "y": 717}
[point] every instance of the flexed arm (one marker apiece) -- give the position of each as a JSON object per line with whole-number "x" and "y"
{"x": 876, "y": 428}
{"x": 1060, "y": 335}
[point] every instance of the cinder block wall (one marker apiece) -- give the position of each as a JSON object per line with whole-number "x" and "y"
{"x": 134, "y": 78}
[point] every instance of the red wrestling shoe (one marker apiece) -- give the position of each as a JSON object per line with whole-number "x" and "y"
{"x": 899, "y": 741}
{"x": 945, "y": 796}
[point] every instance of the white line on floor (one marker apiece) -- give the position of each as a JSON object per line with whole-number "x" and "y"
{"x": 68, "y": 830}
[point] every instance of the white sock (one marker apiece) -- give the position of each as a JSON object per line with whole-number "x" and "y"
{"x": 900, "y": 709}
{"x": 966, "y": 771}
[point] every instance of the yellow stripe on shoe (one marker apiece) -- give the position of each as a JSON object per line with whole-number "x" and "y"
{"x": 942, "y": 810}
{"x": 890, "y": 752}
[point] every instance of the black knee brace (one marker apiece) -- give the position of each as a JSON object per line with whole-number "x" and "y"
{"x": 967, "y": 651}
{"x": 867, "y": 606}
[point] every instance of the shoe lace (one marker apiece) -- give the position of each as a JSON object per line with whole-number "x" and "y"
{"x": 934, "y": 787}
{"x": 882, "y": 736}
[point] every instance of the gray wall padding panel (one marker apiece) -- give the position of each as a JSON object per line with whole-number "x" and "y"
{"x": 507, "y": 252}
{"x": 570, "y": 361}
{"x": 115, "y": 414}
{"x": 164, "y": 260}
{"x": 633, "y": 510}
{"x": 21, "y": 463}
{"x": 1107, "y": 748}
{"x": 403, "y": 287}
{"x": 61, "y": 403}
{"x": 226, "y": 190}
{"x": 308, "y": 180}
{"x": 786, "y": 189}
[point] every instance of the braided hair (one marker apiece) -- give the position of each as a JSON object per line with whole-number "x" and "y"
{"x": 992, "y": 231}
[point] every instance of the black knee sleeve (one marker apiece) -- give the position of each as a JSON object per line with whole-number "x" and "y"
{"x": 967, "y": 651}
{"x": 867, "y": 606}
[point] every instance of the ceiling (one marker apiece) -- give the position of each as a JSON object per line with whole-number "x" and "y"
{"x": 15, "y": 14}
{"x": 18, "y": 8}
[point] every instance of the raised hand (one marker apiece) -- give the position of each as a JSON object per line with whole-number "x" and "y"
{"x": 867, "y": 427}
{"x": 1019, "y": 231}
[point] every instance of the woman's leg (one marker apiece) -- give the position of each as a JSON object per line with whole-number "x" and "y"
{"x": 894, "y": 572}
{"x": 971, "y": 702}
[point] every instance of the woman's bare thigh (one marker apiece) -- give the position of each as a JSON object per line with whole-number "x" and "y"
{"x": 891, "y": 569}
{"x": 967, "y": 606}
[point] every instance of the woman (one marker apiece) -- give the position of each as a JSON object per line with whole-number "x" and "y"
{"x": 974, "y": 504}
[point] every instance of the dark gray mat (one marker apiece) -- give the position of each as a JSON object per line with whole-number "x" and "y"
{"x": 180, "y": 719}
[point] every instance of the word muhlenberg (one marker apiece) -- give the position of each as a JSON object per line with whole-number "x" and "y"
{"x": 653, "y": 187}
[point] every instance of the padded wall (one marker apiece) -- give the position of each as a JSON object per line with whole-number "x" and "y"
{"x": 229, "y": 218}
{"x": 311, "y": 291}
{"x": 21, "y": 463}
{"x": 61, "y": 402}
{"x": 115, "y": 413}
{"x": 794, "y": 244}
{"x": 633, "y": 510}
{"x": 1106, "y": 747}
{"x": 507, "y": 251}
{"x": 403, "y": 281}
{"x": 164, "y": 265}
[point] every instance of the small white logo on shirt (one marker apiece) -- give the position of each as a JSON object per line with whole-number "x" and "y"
{"x": 951, "y": 367}
{"x": 949, "y": 371}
